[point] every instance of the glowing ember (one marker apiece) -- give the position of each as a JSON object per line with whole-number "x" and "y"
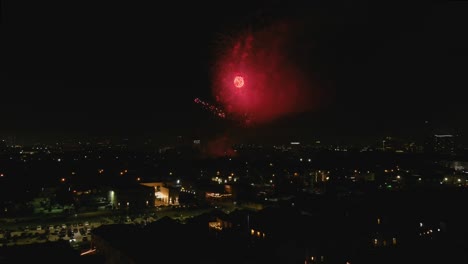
{"x": 213, "y": 109}
{"x": 238, "y": 81}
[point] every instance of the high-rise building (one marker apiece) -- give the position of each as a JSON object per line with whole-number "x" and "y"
{"x": 444, "y": 144}
{"x": 10, "y": 141}
{"x": 3, "y": 146}
{"x": 392, "y": 144}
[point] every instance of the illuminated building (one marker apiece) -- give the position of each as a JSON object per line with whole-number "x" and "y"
{"x": 444, "y": 144}
{"x": 219, "y": 193}
{"x": 392, "y": 144}
{"x": 219, "y": 223}
{"x": 163, "y": 194}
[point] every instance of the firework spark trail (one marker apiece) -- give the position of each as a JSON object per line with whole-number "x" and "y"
{"x": 211, "y": 108}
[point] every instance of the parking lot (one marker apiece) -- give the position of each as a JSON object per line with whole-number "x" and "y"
{"x": 77, "y": 228}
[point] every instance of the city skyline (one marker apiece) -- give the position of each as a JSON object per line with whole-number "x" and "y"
{"x": 260, "y": 131}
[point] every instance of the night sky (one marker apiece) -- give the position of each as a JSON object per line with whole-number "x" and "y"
{"x": 133, "y": 70}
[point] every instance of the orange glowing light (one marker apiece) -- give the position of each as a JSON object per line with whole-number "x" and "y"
{"x": 88, "y": 252}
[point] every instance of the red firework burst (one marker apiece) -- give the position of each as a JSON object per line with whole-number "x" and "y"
{"x": 255, "y": 80}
